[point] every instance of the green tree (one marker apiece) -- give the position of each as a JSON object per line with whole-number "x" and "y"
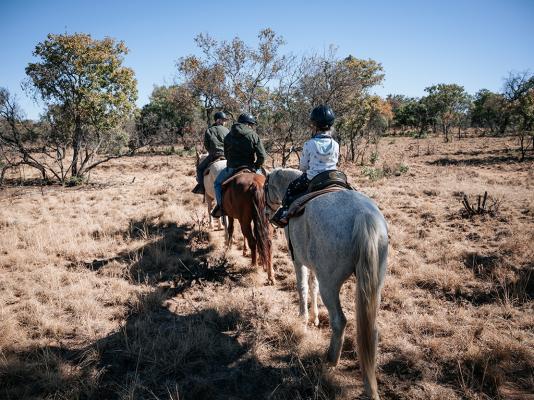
{"x": 489, "y": 111}
{"x": 519, "y": 94}
{"x": 448, "y": 104}
{"x": 88, "y": 93}
{"x": 171, "y": 115}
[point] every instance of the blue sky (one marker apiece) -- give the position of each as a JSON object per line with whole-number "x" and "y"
{"x": 419, "y": 43}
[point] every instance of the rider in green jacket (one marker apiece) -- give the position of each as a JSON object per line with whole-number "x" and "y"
{"x": 214, "y": 145}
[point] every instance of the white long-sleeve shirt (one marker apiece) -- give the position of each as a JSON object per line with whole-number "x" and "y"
{"x": 320, "y": 153}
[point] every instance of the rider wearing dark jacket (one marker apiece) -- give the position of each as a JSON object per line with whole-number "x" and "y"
{"x": 242, "y": 148}
{"x": 214, "y": 145}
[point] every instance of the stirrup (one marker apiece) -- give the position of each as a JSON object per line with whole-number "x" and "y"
{"x": 279, "y": 219}
{"x": 198, "y": 189}
{"x": 217, "y": 212}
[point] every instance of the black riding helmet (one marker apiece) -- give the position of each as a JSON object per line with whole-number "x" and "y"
{"x": 219, "y": 115}
{"x": 246, "y": 118}
{"x": 322, "y": 117}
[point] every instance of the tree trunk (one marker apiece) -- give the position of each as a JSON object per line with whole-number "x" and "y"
{"x": 76, "y": 144}
{"x": 208, "y": 114}
{"x": 352, "y": 148}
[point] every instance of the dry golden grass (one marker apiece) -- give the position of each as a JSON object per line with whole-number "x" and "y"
{"x": 118, "y": 290}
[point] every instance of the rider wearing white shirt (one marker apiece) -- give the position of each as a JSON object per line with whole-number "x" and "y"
{"x": 319, "y": 154}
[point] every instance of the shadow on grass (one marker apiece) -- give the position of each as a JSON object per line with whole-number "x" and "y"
{"x": 177, "y": 255}
{"x": 160, "y": 355}
{"x": 157, "y": 354}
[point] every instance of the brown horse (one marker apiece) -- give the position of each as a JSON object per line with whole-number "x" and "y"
{"x": 243, "y": 199}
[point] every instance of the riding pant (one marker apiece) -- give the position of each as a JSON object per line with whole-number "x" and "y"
{"x": 203, "y": 165}
{"x": 295, "y": 190}
{"x": 223, "y": 175}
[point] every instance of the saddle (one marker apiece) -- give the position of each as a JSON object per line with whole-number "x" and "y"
{"x": 219, "y": 158}
{"x": 323, "y": 183}
{"x": 328, "y": 178}
{"x": 238, "y": 171}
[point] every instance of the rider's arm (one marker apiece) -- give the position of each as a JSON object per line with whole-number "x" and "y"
{"x": 304, "y": 164}
{"x": 261, "y": 154}
{"x": 207, "y": 140}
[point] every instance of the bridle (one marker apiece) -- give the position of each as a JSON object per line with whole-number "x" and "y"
{"x": 272, "y": 205}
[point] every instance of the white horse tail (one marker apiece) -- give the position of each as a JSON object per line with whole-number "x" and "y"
{"x": 367, "y": 234}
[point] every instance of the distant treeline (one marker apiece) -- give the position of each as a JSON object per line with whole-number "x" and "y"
{"x": 91, "y": 117}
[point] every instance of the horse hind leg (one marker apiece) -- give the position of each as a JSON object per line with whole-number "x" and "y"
{"x": 209, "y": 202}
{"x": 314, "y": 287}
{"x": 330, "y": 295}
{"x": 229, "y": 232}
{"x": 244, "y": 246}
{"x": 301, "y": 273}
{"x": 246, "y": 228}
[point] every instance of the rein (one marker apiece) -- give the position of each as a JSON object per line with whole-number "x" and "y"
{"x": 273, "y": 205}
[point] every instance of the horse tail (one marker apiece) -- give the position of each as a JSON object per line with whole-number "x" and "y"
{"x": 261, "y": 226}
{"x": 367, "y": 237}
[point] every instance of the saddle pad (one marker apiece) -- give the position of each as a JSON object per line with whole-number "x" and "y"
{"x": 298, "y": 206}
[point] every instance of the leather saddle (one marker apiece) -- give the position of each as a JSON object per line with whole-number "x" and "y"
{"x": 328, "y": 178}
{"x": 323, "y": 183}
{"x": 238, "y": 171}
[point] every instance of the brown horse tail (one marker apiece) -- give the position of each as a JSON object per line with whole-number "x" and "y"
{"x": 261, "y": 226}
{"x": 366, "y": 239}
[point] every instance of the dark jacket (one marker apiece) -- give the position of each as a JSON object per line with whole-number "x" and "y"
{"x": 214, "y": 139}
{"x": 242, "y": 146}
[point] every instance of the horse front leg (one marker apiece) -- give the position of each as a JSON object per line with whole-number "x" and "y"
{"x": 330, "y": 295}
{"x": 302, "y": 288}
{"x": 209, "y": 202}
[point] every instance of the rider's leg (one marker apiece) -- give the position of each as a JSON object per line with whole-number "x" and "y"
{"x": 223, "y": 175}
{"x": 201, "y": 167}
{"x": 294, "y": 190}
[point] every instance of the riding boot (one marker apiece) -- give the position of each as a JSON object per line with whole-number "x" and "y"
{"x": 280, "y": 217}
{"x": 198, "y": 189}
{"x": 217, "y": 212}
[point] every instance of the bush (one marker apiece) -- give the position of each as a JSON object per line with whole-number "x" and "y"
{"x": 372, "y": 173}
{"x": 374, "y": 157}
{"x": 387, "y": 170}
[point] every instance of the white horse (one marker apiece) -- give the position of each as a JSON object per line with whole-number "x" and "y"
{"x": 340, "y": 234}
{"x": 209, "y": 180}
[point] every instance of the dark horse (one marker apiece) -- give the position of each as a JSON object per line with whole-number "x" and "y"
{"x": 243, "y": 198}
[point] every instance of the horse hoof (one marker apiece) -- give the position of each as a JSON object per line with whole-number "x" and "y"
{"x": 329, "y": 361}
{"x": 329, "y": 365}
